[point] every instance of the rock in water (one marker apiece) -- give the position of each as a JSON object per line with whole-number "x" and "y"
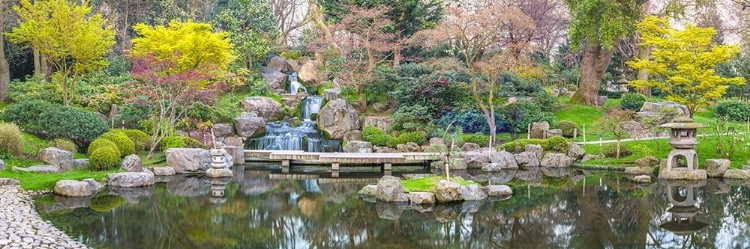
{"x": 499, "y": 190}
{"x": 164, "y": 171}
{"x": 188, "y": 160}
{"x": 72, "y": 188}
{"x": 501, "y": 160}
{"x": 132, "y": 163}
{"x": 557, "y": 160}
{"x": 336, "y": 118}
{"x": 131, "y": 179}
{"x": 421, "y": 198}
{"x": 447, "y": 191}
{"x": 471, "y": 193}
{"x": 717, "y": 167}
{"x": 61, "y": 159}
{"x": 264, "y": 107}
{"x": 390, "y": 190}
{"x": 368, "y": 193}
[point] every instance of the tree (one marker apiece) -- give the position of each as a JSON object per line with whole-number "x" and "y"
{"x": 4, "y": 65}
{"x": 596, "y": 26}
{"x": 65, "y": 35}
{"x": 476, "y": 33}
{"x": 684, "y": 62}
{"x": 251, "y": 28}
{"x": 615, "y": 123}
{"x": 172, "y": 67}
{"x": 190, "y": 45}
{"x": 290, "y": 16}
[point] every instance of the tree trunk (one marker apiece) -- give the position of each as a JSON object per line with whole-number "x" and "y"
{"x": 37, "y": 63}
{"x": 644, "y": 54}
{"x": 397, "y": 56}
{"x": 618, "y": 149}
{"x": 4, "y": 66}
{"x": 595, "y": 62}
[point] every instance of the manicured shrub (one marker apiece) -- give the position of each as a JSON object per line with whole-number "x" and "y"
{"x": 519, "y": 145}
{"x": 632, "y": 101}
{"x": 99, "y": 143}
{"x": 553, "y": 144}
{"x": 179, "y": 142}
{"x": 734, "y": 110}
{"x": 405, "y": 137}
{"x": 556, "y": 144}
{"x": 141, "y": 140}
{"x": 375, "y": 135}
{"x": 477, "y": 138}
{"x": 124, "y": 144}
{"x": 11, "y": 140}
{"x": 64, "y": 144}
{"x": 567, "y": 127}
{"x": 104, "y": 158}
{"x": 51, "y": 121}
{"x": 610, "y": 150}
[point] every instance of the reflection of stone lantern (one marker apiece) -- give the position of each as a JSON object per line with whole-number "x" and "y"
{"x": 683, "y": 211}
{"x": 218, "y": 186}
{"x": 623, "y": 83}
{"x": 683, "y": 139}
{"x": 218, "y": 167}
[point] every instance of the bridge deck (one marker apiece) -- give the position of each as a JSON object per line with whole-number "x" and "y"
{"x": 286, "y": 156}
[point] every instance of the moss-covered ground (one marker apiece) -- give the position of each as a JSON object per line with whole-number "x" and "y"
{"x": 427, "y": 184}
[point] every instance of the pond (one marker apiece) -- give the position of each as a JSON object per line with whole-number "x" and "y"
{"x": 262, "y": 207}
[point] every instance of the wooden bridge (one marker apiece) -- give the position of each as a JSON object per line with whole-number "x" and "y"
{"x": 387, "y": 160}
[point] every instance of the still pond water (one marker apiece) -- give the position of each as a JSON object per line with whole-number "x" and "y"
{"x": 264, "y": 208}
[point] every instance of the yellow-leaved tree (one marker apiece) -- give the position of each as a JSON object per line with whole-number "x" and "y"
{"x": 683, "y": 63}
{"x": 66, "y": 35}
{"x": 191, "y": 45}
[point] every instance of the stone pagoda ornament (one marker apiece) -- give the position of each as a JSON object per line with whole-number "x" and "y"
{"x": 683, "y": 139}
{"x": 218, "y": 167}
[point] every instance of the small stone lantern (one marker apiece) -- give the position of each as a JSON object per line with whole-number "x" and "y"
{"x": 623, "y": 83}
{"x": 683, "y": 140}
{"x": 218, "y": 168}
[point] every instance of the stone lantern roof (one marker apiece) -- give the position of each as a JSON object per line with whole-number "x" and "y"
{"x": 683, "y": 123}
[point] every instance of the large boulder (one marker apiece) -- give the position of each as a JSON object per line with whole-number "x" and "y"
{"x": 717, "y": 167}
{"x": 499, "y": 190}
{"x": 457, "y": 163}
{"x": 384, "y": 123}
{"x": 576, "y": 151}
{"x": 475, "y": 159}
{"x": 470, "y": 147}
{"x": 264, "y": 107}
{"x": 390, "y": 190}
{"x": 237, "y": 154}
{"x": 222, "y": 130}
{"x": 683, "y": 174}
{"x": 279, "y": 64}
{"x": 471, "y": 193}
{"x": 408, "y": 147}
{"x": 235, "y": 141}
{"x": 368, "y": 193}
{"x": 188, "y": 160}
{"x": 355, "y": 135}
{"x": 309, "y": 72}
{"x": 132, "y": 163}
{"x": 651, "y": 108}
{"x": 38, "y": 169}
{"x": 73, "y": 188}
{"x": 336, "y": 118}
{"x": 131, "y": 179}
{"x": 639, "y": 170}
{"x": 447, "y": 191}
{"x": 538, "y": 128}
{"x": 249, "y": 125}
{"x": 737, "y": 174}
{"x": 164, "y": 171}
{"x": 421, "y": 198}
{"x": 556, "y": 160}
{"x": 647, "y": 161}
{"x": 81, "y": 163}
{"x": 528, "y": 159}
{"x": 501, "y": 160}
{"x": 61, "y": 159}
{"x": 358, "y": 147}
{"x": 273, "y": 78}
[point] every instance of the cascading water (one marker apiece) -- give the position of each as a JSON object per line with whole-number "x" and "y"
{"x": 294, "y": 85}
{"x": 310, "y": 105}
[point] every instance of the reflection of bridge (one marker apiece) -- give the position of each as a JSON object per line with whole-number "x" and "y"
{"x": 386, "y": 160}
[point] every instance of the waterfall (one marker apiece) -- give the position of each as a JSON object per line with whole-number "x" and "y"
{"x": 310, "y": 105}
{"x": 281, "y": 136}
{"x": 294, "y": 86}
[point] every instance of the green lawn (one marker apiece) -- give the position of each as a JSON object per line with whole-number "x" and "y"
{"x": 427, "y": 184}
{"x": 37, "y": 181}
{"x": 659, "y": 148}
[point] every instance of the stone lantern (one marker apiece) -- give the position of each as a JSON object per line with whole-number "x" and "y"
{"x": 683, "y": 134}
{"x": 684, "y": 210}
{"x": 218, "y": 186}
{"x": 623, "y": 83}
{"x": 218, "y": 167}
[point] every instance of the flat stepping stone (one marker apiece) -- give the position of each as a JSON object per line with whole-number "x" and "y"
{"x": 38, "y": 169}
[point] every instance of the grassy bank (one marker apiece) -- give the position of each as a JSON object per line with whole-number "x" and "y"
{"x": 427, "y": 184}
{"x": 40, "y": 181}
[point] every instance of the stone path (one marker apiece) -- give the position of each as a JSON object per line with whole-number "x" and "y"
{"x": 22, "y": 227}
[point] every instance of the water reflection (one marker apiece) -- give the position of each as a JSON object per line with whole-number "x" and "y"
{"x": 261, "y": 208}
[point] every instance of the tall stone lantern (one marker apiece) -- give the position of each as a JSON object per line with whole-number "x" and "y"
{"x": 683, "y": 139}
{"x": 623, "y": 85}
{"x": 218, "y": 168}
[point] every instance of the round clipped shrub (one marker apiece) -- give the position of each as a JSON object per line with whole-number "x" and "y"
{"x": 477, "y": 138}
{"x": 632, "y": 101}
{"x": 104, "y": 158}
{"x": 124, "y": 144}
{"x": 99, "y": 143}
{"x": 141, "y": 140}
{"x": 11, "y": 140}
{"x": 734, "y": 110}
{"x": 64, "y": 144}
{"x": 414, "y": 136}
{"x": 610, "y": 150}
{"x": 375, "y": 135}
{"x": 179, "y": 142}
{"x": 50, "y": 121}
{"x": 567, "y": 127}
{"x": 557, "y": 144}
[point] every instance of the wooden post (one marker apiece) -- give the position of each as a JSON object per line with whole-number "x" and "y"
{"x": 528, "y": 132}
{"x": 600, "y": 140}
{"x": 575, "y": 134}
{"x": 584, "y": 133}
{"x": 335, "y": 166}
